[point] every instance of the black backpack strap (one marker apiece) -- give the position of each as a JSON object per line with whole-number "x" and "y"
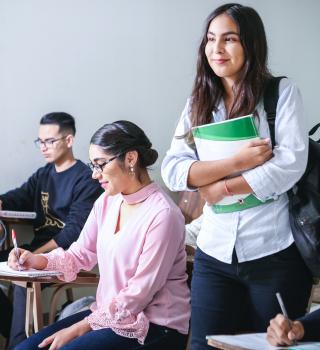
{"x": 270, "y": 101}
{"x": 313, "y": 130}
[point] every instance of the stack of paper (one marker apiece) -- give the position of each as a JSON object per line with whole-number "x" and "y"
{"x": 5, "y": 270}
{"x": 253, "y": 341}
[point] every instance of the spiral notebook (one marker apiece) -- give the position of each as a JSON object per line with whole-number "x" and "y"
{"x": 5, "y": 270}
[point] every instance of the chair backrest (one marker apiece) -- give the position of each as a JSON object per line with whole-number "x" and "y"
{"x": 191, "y": 205}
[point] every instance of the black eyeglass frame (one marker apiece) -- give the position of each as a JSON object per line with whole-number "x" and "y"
{"x": 99, "y": 167}
{"x": 47, "y": 143}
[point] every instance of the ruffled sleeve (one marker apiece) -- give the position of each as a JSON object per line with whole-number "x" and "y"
{"x": 60, "y": 260}
{"x": 120, "y": 320}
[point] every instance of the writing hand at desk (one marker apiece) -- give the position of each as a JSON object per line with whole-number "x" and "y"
{"x": 280, "y": 333}
{"x": 66, "y": 335}
{"x": 26, "y": 260}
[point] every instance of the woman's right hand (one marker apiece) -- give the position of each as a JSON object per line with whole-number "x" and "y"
{"x": 26, "y": 260}
{"x": 254, "y": 153}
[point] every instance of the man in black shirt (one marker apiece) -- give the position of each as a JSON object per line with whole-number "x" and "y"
{"x": 62, "y": 194}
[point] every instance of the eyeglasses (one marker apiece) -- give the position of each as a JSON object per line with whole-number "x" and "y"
{"x": 99, "y": 167}
{"x": 49, "y": 143}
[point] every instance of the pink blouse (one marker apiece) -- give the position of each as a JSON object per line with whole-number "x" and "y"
{"x": 142, "y": 267}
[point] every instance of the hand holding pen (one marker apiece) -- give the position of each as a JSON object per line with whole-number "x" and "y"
{"x": 22, "y": 259}
{"x": 15, "y": 245}
{"x": 283, "y": 331}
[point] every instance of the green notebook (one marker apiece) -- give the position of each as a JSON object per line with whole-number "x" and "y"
{"x": 222, "y": 140}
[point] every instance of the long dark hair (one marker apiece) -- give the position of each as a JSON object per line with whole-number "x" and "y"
{"x": 122, "y": 136}
{"x": 208, "y": 88}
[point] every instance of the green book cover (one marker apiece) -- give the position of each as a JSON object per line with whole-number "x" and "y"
{"x": 222, "y": 140}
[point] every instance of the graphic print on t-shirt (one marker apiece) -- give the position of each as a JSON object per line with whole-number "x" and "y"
{"x": 50, "y": 220}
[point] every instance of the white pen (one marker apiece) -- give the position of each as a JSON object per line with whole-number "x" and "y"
{"x": 284, "y": 311}
{"x": 16, "y": 250}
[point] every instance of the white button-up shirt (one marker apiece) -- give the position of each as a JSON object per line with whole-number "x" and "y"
{"x": 265, "y": 229}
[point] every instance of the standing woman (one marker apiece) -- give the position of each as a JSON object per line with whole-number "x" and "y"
{"x": 244, "y": 257}
{"x": 136, "y": 235}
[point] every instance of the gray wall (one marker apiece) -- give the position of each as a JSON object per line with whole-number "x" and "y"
{"x": 102, "y": 60}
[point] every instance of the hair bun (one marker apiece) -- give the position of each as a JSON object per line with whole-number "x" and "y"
{"x": 148, "y": 157}
{"x": 123, "y": 136}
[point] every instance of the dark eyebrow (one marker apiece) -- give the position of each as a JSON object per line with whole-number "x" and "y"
{"x": 224, "y": 34}
{"x": 97, "y": 159}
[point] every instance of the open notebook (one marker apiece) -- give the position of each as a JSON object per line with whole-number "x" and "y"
{"x": 253, "y": 341}
{"x": 5, "y": 270}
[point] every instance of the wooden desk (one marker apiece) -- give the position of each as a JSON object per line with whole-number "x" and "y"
{"x": 34, "y": 310}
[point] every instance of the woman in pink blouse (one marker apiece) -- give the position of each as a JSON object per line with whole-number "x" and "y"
{"x": 136, "y": 235}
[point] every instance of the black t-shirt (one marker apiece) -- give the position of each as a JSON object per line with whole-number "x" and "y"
{"x": 311, "y": 323}
{"x": 62, "y": 201}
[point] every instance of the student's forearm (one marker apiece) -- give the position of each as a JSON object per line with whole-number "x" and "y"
{"x": 202, "y": 173}
{"x": 46, "y": 247}
{"x": 238, "y": 185}
{"x": 253, "y": 154}
{"x": 82, "y": 327}
{"x": 216, "y": 191}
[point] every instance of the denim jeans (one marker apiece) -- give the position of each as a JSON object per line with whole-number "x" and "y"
{"x": 240, "y": 297}
{"x": 158, "y": 338}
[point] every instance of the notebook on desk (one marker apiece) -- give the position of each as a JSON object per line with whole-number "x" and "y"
{"x": 7, "y": 271}
{"x": 11, "y": 214}
{"x": 253, "y": 341}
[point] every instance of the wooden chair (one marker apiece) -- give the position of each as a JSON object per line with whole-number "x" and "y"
{"x": 84, "y": 279}
{"x": 191, "y": 205}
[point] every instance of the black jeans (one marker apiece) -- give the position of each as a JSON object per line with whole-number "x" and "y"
{"x": 158, "y": 338}
{"x": 240, "y": 297}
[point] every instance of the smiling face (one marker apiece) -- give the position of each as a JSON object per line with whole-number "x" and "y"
{"x": 224, "y": 50}
{"x": 114, "y": 178}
